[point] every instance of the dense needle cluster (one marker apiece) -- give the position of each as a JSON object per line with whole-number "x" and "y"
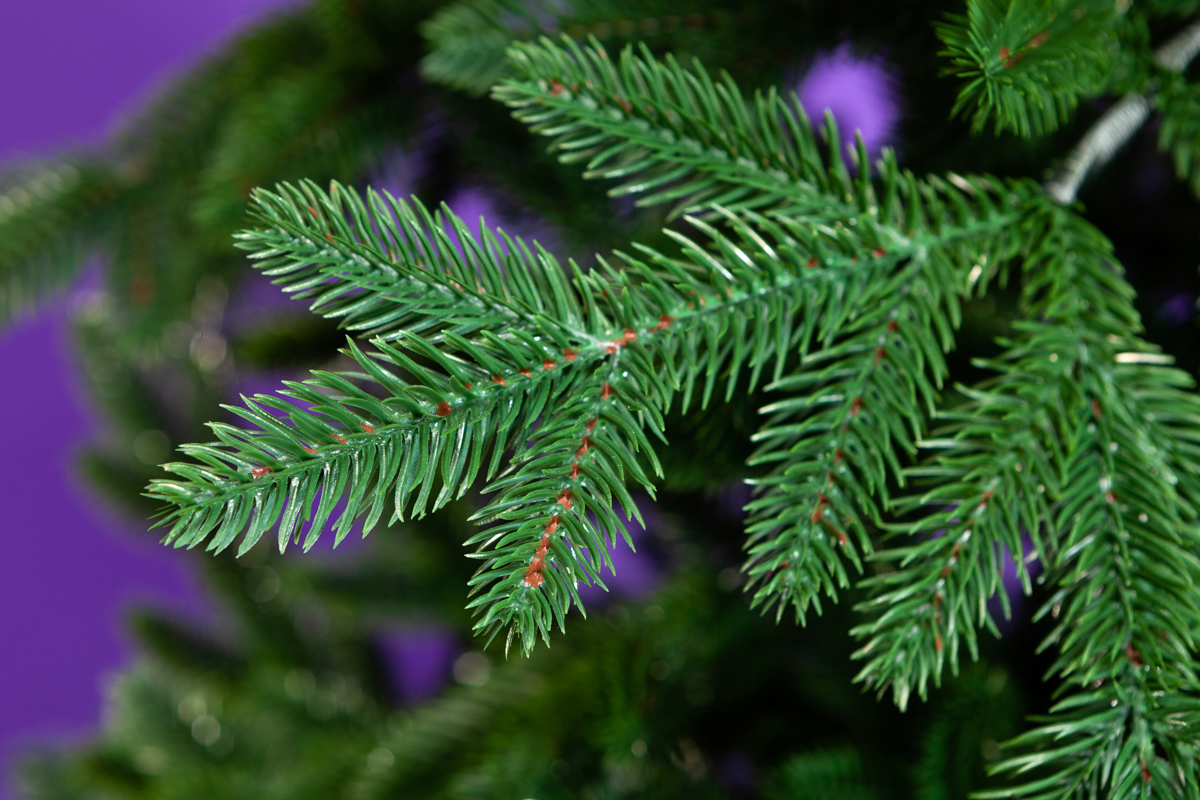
{"x": 835, "y": 287}
{"x": 847, "y": 288}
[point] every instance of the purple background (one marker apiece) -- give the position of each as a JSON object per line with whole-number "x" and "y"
{"x": 858, "y": 90}
{"x": 68, "y": 70}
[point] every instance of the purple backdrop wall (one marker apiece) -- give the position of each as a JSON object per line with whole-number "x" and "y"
{"x": 68, "y": 69}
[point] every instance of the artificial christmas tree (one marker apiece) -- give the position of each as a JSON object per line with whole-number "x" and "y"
{"x": 765, "y": 269}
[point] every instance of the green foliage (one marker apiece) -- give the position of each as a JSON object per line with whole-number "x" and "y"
{"x": 1027, "y": 63}
{"x": 1100, "y": 426}
{"x": 972, "y": 714}
{"x": 1113, "y": 741}
{"x": 441, "y": 426}
{"x": 1179, "y": 130}
{"x": 826, "y": 293}
{"x": 1125, "y": 607}
{"x": 468, "y": 43}
{"x": 469, "y": 40}
{"x": 824, "y": 775}
{"x": 495, "y": 328}
{"x": 311, "y": 93}
{"x": 188, "y": 725}
{"x": 654, "y": 725}
{"x": 993, "y": 489}
{"x": 1077, "y": 442}
{"x": 1002, "y": 472}
{"x": 48, "y": 222}
{"x": 679, "y": 137}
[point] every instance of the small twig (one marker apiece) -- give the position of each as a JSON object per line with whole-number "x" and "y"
{"x": 1117, "y": 125}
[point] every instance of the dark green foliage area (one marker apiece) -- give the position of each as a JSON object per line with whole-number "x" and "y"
{"x": 1179, "y": 102}
{"x": 290, "y": 703}
{"x": 1027, "y": 64}
{"x": 921, "y": 369}
{"x": 469, "y": 41}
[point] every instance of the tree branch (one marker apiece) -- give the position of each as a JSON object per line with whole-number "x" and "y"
{"x": 1117, "y": 125}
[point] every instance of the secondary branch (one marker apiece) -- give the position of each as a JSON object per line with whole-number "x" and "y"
{"x": 1117, "y": 125}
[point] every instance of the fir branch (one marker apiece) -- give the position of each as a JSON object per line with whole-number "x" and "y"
{"x": 601, "y": 111}
{"x": 678, "y": 137}
{"x": 1120, "y": 473}
{"x": 301, "y": 120}
{"x": 1120, "y": 122}
{"x": 325, "y": 247}
{"x": 256, "y": 476}
{"x": 1033, "y": 412}
{"x": 854, "y": 407}
{"x": 468, "y": 40}
{"x": 999, "y": 458}
{"x": 1120, "y": 740}
{"x": 422, "y": 740}
{"x": 496, "y": 338}
{"x": 871, "y": 369}
{"x": 1027, "y": 63}
{"x": 1123, "y": 538}
{"x": 440, "y": 426}
{"x": 576, "y": 462}
{"x": 485, "y": 348}
{"x": 49, "y": 219}
{"x": 482, "y": 390}
{"x": 1125, "y": 566}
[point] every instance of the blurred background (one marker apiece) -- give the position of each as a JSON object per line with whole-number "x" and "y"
{"x": 131, "y": 134}
{"x": 71, "y": 72}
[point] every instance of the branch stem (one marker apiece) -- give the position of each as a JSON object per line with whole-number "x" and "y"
{"x": 1118, "y": 125}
